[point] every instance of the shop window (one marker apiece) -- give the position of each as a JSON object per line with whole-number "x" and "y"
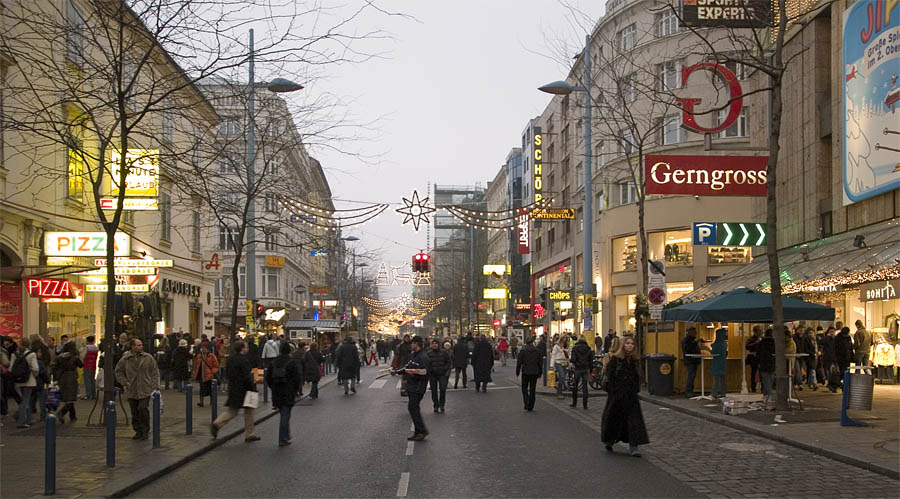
{"x": 675, "y": 247}
{"x": 75, "y": 172}
{"x": 270, "y": 277}
{"x": 676, "y": 290}
{"x": 729, "y": 254}
{"x": 624, "y": 253}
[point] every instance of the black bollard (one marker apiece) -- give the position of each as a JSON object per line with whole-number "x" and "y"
{"x": 265, "y": 388}
{"x": 156, "y": 407}
{"x": 188, "y": 409}
{"x": 214, "y": 399}
{"x": 111, "y": 434}
{"x": 50, "y": 456}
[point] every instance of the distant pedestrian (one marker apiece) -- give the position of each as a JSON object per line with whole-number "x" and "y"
{"x": 843, "y": 351}
{"x": 206, "y": 365}
{"x": 622, "y": 418}
{"x": 181, "y": 371}
{"x": 582, "y": 360}
{"x": 416, "y": 372}
{"x": 373, "y": 354}
{"x": 460, "y": 362}
{"x": 312, "y": 369}
{"x": 347, "y": 362}
{"x": 45, "y": 362}
{"x": 766, "y": 354}
{"x": 91, "y": 354}
{"x": 164, "y": 361}
{"x": 514, "y": 346}
{"x": 528, "y": 364}
{"x": 65, "y": 370}
{"x": 810, "y": 348}
{"x": 607, "y": 342}
{"x": 482, "y": 363}
{"x": 829, "y": 360}
{"x": 503, "y": 348}
{"x": 401, "y": 357}
{"x": 240, "y": 381}
{"x": 752, "y": 359}
{"x": 690, "y": 345}
{"x": 719, "y": 350}
{"x": 138, "y": 373}
{"x": 438, "y": 374}
{"x": 790, "y": 348}
{"x": 269, "y": 351}
{"x": 24, "y": 375}
{"x": 862, "y": 344}
{"x": 284, "y": 377}
{"x": 559, "y": 359}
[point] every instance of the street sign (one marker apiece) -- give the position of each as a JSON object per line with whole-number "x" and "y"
{"x": 318, "y": 253}
{"x": 553, "y": 214}
{"x": 729, "y": 234}
{"x": 656, "y": 296}
{"x": 299, "y": 288}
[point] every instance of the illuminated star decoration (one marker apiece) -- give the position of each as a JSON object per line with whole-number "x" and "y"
{"x": 416, "y": 210}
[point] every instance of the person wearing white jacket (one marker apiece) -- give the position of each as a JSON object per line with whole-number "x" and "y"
{"x": 559, "y": 357}
{"x": 270, "y": 351}
{"x": 23, "y": 414}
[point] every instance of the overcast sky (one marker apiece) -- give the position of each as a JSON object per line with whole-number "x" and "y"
{"x": 454, "y": 95}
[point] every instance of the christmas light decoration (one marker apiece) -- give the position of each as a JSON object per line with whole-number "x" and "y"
{"x": 416, "y": 210}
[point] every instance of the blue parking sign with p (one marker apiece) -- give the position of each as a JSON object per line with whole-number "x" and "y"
{"x": 704, "y": 234}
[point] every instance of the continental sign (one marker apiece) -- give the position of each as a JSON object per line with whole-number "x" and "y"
{"x": 553, "y": 214}
{"x": 706, "y": 175}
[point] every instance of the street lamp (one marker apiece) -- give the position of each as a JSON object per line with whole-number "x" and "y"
{"x": 278, "y": 85}
{"x": 565, "y": 88}
{"x": 340, "y": 269}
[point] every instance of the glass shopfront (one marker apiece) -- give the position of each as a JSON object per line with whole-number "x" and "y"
{"x": 624, "y": 253}
{"x": 676, "y": 247}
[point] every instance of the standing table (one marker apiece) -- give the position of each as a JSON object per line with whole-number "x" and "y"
{"x": 791, "y": 357}
{"x": 702, "y": 395}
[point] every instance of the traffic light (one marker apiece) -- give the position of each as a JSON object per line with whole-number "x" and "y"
{"x": 259, "y": 312}
{"x": 544, "y": 302}
{"x": 420, "y": 262}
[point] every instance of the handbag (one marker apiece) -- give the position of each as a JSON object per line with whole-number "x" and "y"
{"x": 259, "y": 375}
{"x": 251, "y": 400}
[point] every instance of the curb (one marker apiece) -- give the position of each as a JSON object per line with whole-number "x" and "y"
{"x": 881, "y": 470}
{"x": 568, "y": 393}
{"x": 223, "y": 439}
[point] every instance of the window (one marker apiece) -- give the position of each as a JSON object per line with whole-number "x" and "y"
{"x": 74, "y": 34}
{"x": 668, "y": 23}
{"x": 273, "y": 127}
{"x": 670, "y": 130}
{"x": 226, "y": 164}
{"x": 270, "y": 280}
{"x": 729, "y": 255}
{"x": 195, "y": 232}
{"x": 552, "y": 237}
{"x": 579, "y": 217}
{"x": 225, "y": 238}
{"x": 629, "y": 93}
{"x": 129, "y": 80}
{"x": 676, "y": 247}
{"x": 270, "y": 203}
{"x": 75, "y": 172}
{"x": 229, "y": 202}
{"x": 242, "y": 280}
{"x": 217, "y": 288}
{"x": 627, "y": 193}
{"x": 738, "y": 128}
{"x": 741, "y": 71}
{"x": 230, "y": 125}
{"x": 165, "y": 216}
{"x": 537, "y": 244}
{"x": 168, "y": 122}
{"x": 275, "y": 163}
{"x": 626, "y": 38}
{"x": 624, "y": 253}
{"x": 669, "y": 75}
{"x": 271, "y": 243}
{"x": 626, "y": 141}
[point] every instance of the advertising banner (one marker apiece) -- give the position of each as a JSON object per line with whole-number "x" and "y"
{"x": 143, "y": 172}
{"x": 705, "y": 175}
{"x": 84, "y": 244}
{"x": 871, "y": 56}
{"x": 726, "y": 13}
{"x": 11, "y": 310}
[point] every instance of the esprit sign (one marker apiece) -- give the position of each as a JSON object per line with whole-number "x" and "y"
{"x": 706, "y": 175}
{"x": 48, "y": 288}
{"x": 688, "y": 113}
{"x": 84, "y": 244}
{"x": 522, "y": 233}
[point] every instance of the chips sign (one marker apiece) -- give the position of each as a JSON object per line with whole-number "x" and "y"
{"x": 143, "y": 172}
{"x": 553, "y": 214}
{"x": 84, "y": 244}
{"x": 726, "y": 13}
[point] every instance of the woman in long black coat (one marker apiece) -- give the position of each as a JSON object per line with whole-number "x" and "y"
{"x": 482, "y": 363}
{"x": 284, "y": 378}
{"x": 65, "y": 369}
{"x": 181, "y": 365}
{"x": 622, "y": 417}
{"x": 312, "y": 360}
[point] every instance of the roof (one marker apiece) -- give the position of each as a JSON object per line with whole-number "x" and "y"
{"x": 310, "y": 324}
{"x": 804, "y": 268}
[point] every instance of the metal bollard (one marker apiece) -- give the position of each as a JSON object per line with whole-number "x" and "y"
{"x": 188, "y": 409}
{"x": 110, "y": 434}
{"x": 50, "y": 456}
{"x": 156, "y": 408}
{"x": 214, "y": 399}
{"x": 265, "y": 387}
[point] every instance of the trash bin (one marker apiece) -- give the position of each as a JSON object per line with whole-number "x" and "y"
{"x": 862, "y": 386}
{"x": 660, "y": 374}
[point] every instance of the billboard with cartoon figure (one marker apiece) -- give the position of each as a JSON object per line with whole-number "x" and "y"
{"x": 871, "y": 57}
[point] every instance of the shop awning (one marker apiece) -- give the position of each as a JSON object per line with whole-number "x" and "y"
{"x": 833, "y": 260}
{"x": 746, "y": 305}
{"x": 308, "y": 324}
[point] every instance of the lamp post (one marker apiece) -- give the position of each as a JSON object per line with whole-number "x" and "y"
{"x": 565, "y": 88}
{"x": 278, "y": 85}
{"x": 355, "y": 289}
{"x": 340, "y": 269}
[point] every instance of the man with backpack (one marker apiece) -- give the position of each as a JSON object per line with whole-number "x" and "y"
{"x": 284, "y": 378}
{"x": 23, "y": 371}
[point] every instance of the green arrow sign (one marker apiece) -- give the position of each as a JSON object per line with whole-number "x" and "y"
{"x": 741, "y": 234}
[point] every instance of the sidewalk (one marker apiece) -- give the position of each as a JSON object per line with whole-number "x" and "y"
{"x": 81, "y": 449}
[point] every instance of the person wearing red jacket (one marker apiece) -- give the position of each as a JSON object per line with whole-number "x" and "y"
{"x": 206, "y": 365}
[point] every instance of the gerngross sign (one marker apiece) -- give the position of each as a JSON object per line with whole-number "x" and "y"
{"x": 726, "y": 13}
{"x": 871, "y": 91}
{"x": 705, "y": 175}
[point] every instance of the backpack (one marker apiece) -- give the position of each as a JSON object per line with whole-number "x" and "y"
{"x": 43, "y": 377}
{"x": 21, "y": 371}
{"x": 279, "y": 375}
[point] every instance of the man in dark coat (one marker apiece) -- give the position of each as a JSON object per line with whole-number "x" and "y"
{"x": 284, "y": 377}
{"x": 347, "y": 361}
{"x": 581, "y": 359}
{"x": 690, "y": 346}
{"x": 843, "y": 350}
{"x": 312, "y": 360}
{"x": 482, "y": 362}
{"x": 438, "y": 374}
{"x": 238, "y": 371}
{"x": 528, "y": 364}
{"x": 416, "y": 373}
{"x": 403, "y": 353}
{"x": 460, "y": 361}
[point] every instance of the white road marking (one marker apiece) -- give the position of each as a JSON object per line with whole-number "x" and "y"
{"x": 399, "y": 383}
{"x": 404, "y": 484}
{"x": 409, "y": 448}
{"x": 378, "y": 383}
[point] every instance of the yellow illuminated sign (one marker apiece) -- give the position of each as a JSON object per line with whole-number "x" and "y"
{"x": 143, "y": 171}
{"x": 560, "y": 295}
{"x": 538, "y": 157}
{"x": 120, "y": 271}
{"x": 128, "y": 262}
{"x": 495, "y": 269}
{"x": 274, "y": 261}
{"x": 494, "y": 293}
{"x": 120, "y": 288}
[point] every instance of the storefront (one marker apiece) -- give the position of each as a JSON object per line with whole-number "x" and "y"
{"x": 562, "y": 319}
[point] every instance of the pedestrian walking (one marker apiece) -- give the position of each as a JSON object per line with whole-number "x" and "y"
{"x": 622, "y": 418}
{"x": 240, "y": 381}
{"x": 582, "y": 360}
{"x": 766, "y": 355}
{"x": 312, "y": 369}
{"x": 790, "y": 348}
{"x": 181, "y": 371}
{"x": 607, "y": 342}
{"x": 514, "y": 346}
{"x": 206, "y": 365}
{"x": 862, "y": 344}
{"x": 503, "y": 348}
{"x": 164, "y": 361}
{"x": 269, "y": 351}
{"x": 91, "y": 353}
{"x": 347, "y": 361}
{"x": 139, "y": 375}
{"x": 528, "y": 364}
{"x": 284, "y": 378}
{"x": 752, "y": 359}
{"x": 843, "y": 351}
{"x": 373, "y": 354}
{"x": 65, "y": 370}
{"x": 829, "y": 360}
{"x": 416, "y": 372}
{"x": 438, "y": 374}
{"x": 719, "y": 351}
{"x": 810, "y": 348}
{"x": 45, "y": 361}
{"x": 24, "y": 370}
{"x": 559, "y": 358}
{"x": 460, "y": 362}
{"x": 690, "y": 345}
{"x": 401, "y": 357}
{"x": 482, "y": 363}
{"x": 5, "y": 381}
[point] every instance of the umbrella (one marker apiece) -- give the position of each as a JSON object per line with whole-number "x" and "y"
{"x": 746, "y": 305}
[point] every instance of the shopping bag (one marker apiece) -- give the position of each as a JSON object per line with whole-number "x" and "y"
{"x": 251, "y": 400}
{"x": 259, "y": 375}
{"x": 551, "y": 379}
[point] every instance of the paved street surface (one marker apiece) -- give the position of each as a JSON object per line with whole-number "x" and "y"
{"x": 486, "y": 446}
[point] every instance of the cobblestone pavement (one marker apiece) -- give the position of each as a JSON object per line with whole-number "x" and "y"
{"x": 718, "y": 461}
